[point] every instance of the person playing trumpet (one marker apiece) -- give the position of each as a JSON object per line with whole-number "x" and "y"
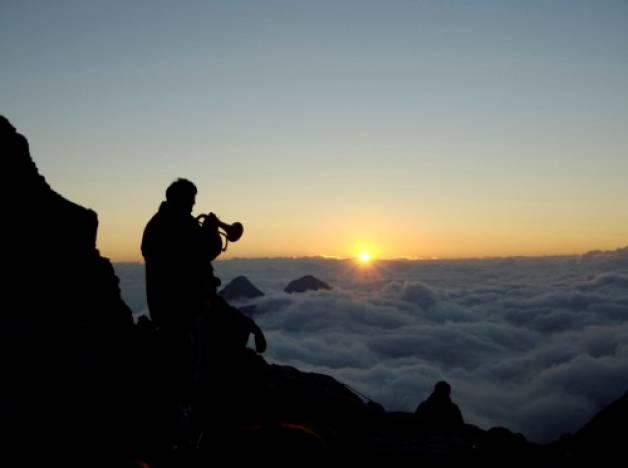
{"x": 178, "y": 253}
{"x": 181, "y": 287}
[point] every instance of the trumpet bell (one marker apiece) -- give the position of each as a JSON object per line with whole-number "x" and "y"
{"x": 232, "y": 231}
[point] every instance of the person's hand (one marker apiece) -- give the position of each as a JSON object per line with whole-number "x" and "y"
{"x": 211, "y": 221}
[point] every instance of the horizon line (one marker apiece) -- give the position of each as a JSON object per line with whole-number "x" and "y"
{"x": 403, "y": 258}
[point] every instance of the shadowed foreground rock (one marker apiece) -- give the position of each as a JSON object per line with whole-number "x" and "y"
{"x": 81, "y": 382}
{"x": 66, "y": 334}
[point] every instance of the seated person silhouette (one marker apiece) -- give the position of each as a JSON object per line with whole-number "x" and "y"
{"x": 438, "y": 413}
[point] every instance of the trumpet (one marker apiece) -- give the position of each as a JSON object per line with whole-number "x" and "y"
{"x": 231, "y": 232}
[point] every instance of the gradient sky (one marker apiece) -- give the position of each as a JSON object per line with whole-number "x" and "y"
{"x": 407, "y": 128}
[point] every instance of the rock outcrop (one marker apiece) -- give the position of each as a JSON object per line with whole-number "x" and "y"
{"x": 602, "y": 441}
{"x": 65, "y": 331}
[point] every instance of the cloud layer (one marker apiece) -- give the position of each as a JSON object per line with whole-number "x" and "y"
{"x": 537, "y": 345}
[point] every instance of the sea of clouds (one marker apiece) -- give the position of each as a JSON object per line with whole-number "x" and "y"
{"x": 537, "y": 345}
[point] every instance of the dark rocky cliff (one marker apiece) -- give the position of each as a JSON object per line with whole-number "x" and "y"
{"x": 65, "y": 331}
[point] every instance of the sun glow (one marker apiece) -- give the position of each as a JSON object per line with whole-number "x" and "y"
{"x": 364, "y": 257}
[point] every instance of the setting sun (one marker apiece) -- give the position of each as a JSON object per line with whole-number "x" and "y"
{"x": 365, "y": 252}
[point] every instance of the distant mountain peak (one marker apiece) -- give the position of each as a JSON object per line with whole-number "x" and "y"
{"x": 240, "y": 288}
{"x": 306, "y": 283}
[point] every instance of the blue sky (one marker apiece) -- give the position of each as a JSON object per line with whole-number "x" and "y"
{"x": 407, "y": 128}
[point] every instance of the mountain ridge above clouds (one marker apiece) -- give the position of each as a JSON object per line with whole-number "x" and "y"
{"x": 306, "y": 283}
{"x": 240, "y": 288}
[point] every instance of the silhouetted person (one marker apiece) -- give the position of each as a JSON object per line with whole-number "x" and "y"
{"x": 178, "y": 252}
{"x": 438, "y": 412}
{"x": 203, "y": 339}
{"x": 179, "y": 277}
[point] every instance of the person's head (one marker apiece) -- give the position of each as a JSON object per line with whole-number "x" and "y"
{"x": 181, "y": 194}
{"x": 442, "y": 389}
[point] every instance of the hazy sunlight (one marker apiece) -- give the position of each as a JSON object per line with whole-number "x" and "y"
{"x": 364, "y": 257}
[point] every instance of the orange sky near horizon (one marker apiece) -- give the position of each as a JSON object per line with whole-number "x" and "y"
{"x": 384, "y": 240}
